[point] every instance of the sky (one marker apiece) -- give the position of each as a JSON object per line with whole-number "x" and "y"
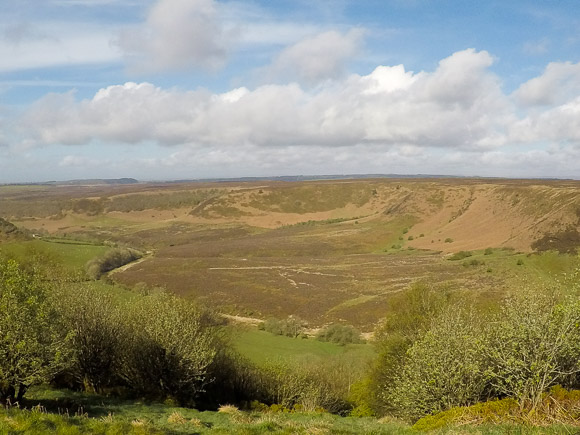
{"x": 187, "y": 89}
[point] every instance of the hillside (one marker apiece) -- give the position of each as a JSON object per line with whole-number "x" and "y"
{"x": 328, "y": 250}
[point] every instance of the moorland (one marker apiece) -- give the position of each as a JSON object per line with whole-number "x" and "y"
{"x": 330, "y": 296}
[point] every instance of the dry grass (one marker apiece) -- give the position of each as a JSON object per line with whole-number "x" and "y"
{"x": 176, "y": 418}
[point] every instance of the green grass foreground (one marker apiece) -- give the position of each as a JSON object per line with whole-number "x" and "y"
{"x": 66, "y": 412}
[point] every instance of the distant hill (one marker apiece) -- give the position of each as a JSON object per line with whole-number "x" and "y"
{"x": 83, "y": 182}
{"x": 95, "y": 181}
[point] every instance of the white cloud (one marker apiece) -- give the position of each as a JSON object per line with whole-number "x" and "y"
{"x": 55, "y": 44}
{"x": 559, "y": 82}
{"x": 77, "y": 161}
{"x": 316, "y": 58}
{"x": 460, "y": 104}
{"x": 177, "y": 35}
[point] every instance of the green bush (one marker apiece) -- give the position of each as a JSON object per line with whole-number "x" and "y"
{"x": 292, "y": 326}
{"x": 339, "y": 334}
{"x": 460, "y": 255}
{"x": 411, "y": 314}
{"x": 112, "y": 259}
{"x": 310, "y": 386}
{"x": 95, "y": 324}
{"x": 169, "y": 347}
{"x": 33, "y": 345}
{"x": 443, "y": 369}
{"x": 533, "y": 344}
{"x": 448, "y": 240}
{"x": 520, "y": 352}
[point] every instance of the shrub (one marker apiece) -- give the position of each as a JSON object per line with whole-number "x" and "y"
{"x": 488, "y": 251}
{"x": 112, "y": 259}
{"x": 307, "y": 387}
{"x": 339, "y": 334}
{"x": 443, "y": 369}
{"x": 33, "y": 345}
{"x": 292, "y": 326}
{"x": 448, "y": 240}
{"x": 534, "y": 343}
{"x": 460, "y": 255}
{"x": 96, "y": 326}
{"x": 411, "y": 314}
{"x": 170, "y": 345}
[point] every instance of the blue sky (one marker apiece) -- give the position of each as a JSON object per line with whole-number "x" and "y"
{"x": 171, "y": 89}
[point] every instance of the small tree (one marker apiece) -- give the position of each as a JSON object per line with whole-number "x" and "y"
{"x": 339, "y": 334}
{"x": 533, "y": 344}
{"x": 170, "y": 346}
{"x": 95, "y": 321}
{"x": 32, "y": 343}
{"x": 443, "y": 369}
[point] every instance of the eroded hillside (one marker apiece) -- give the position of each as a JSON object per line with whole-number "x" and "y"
{"x": 323, "y": 250}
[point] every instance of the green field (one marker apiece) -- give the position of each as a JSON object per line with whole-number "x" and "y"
{"x": 261, "y": 347}
{"x": 71, "y": 253}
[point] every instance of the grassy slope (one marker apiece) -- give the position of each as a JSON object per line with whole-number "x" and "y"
{"x": 72, "y": 255}
{"x": 67, "y": 412}
{"x": 261, "y": 346}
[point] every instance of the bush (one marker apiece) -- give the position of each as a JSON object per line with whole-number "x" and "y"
{"x": 96, "y": 326}
{"x": 534, "y": 343}
{"x": 460, "y": 255}
{"x": 412, "y": 311}
{"x": 309, "y": 386}
{"x": 339, "y": 334}
{"x": 169, "y": 347}
{"x": 443, "y": 369}
{"x": 448, "y": 240}
{"x": 292, "y": 326}
{"x": 488, "y": 251}
{"x": 33, "y": 345}
{"x": 112, "y": 259}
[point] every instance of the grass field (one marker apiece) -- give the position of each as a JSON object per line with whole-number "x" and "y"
{"x": 261, "y": 347}
{"x": 73, "y": 254}
{"x": 67, "y": 412}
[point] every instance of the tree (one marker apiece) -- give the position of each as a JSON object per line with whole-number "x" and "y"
{"x": 170, "y": 344}
{"x": 95, "y": 322}
{"x": 32, "y": 343}
{"x": 533, "y": 344}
